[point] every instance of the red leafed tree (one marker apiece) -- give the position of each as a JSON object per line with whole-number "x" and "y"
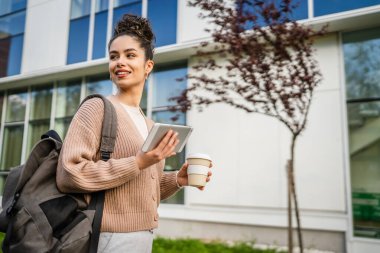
{"x": 268, "y": 68}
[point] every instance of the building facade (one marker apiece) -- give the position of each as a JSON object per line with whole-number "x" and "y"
{"x": 54, "y": 53}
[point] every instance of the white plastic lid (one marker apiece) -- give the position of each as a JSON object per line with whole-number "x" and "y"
{"x": 199, "y": 155}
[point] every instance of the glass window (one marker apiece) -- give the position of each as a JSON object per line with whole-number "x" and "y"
{"x": 12, "y": 146}
{"x": 362, "y": 64}
{"x": 39, "y": 116}
{"x": 12, "y": 24}
{"x": 323, "y": 7}
{"x": 100, "y": 32}
{"x": 78, "y": 40}
{"x": 16, "y": 106}
{"x": 79, "y": 30}
{"x": 15, "y": 54}
{"x": 5, "y": 45}
{"x": 12, "y": 28}
{"x": 126, "y": 6}
{"x": 166, "y": 83}
{"x": 8, "y": 6}
{"x": 163, "y": 20}
{"x": 299, "y": 13}
{"x": 68, "y": 98}
{"x": 362, "y": 68}
{"x": 101, "y": 5}
{"x": 80, "y": 8}
{"x": 99, "y": 85}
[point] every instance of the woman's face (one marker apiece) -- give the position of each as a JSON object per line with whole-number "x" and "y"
{"x": 127, "y": 64}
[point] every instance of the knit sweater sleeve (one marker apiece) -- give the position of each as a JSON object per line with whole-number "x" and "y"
{"x": 168, "y": 185}
{"x": 79, "y": 168}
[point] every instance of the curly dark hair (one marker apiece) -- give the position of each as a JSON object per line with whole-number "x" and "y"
{"x": 137, "y": 27}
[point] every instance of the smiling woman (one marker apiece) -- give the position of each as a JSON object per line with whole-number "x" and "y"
{"x": 134, "y": 181}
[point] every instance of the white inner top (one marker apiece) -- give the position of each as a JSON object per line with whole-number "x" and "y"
{"x": 138, "y": 119}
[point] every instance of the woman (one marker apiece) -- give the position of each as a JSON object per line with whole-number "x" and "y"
{"x": 134, "y": 181}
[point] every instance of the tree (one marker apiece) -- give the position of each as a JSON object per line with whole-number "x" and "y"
{"x": 269, "y": 69}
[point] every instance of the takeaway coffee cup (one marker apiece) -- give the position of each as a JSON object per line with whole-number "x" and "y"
{"x": 199, "y": 165}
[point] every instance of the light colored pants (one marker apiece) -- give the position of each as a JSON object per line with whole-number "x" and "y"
{"x": 133, "y": 242}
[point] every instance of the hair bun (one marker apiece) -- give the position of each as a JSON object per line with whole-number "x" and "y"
{"x": 132, "y": 24}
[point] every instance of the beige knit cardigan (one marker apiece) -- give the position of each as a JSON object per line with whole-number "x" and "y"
{"x": 132, "y": 195}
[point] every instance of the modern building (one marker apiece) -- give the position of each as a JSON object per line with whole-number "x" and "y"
{"x": 53, "y": 53}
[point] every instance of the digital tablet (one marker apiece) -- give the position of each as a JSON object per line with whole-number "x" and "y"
{"x": 158, "y": 132}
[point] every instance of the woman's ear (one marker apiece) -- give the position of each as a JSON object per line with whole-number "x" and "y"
{"x": 148, "y": 67}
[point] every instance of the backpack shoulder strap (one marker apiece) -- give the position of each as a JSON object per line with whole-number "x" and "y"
{"x": 107, "y": 144}
{"x": 109, "y": 127}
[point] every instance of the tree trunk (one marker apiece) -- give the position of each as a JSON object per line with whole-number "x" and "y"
{"x": 290, "y": 226}
{"x": 293, "y": 192}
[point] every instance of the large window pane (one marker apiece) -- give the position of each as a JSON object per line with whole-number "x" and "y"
{"x": 101, "y": 5}
{"x": 78, "y": 40}
{"x": 298, "y": 13}
{"x": 118, "y": 3}
{"x": 167, "y": 85}
{"x": 100, "y": 35}
{"x": 15, "y": 55}
{"x": 168, "y": 117}
{"x": 11, "y": 43}
{"x": 12, "y": 24}
{"x": 323, "y": 7}
{"x": 1, "y": 105}
{"x": 361, "y": 58}
{"x": 16, "y": 106}
{"x": 99, "y": 85}
{"x": 163, "y": 20}
{"x": 362, "y": 63}
{"x": 36, "y": 129}
{"x": 80, "y": 8}
{"x": 175, "y": 162}
{"x": 5, "y": 47}
{"x": 134, "y": 7}
{"x": 39, "y": 117}
{"x": 364, "y": 120}
{"x": 40, "y": 106}
{"x": 68, "y": 98}
{"x": 12, "y": 146}
{"x": 8, "y": 6}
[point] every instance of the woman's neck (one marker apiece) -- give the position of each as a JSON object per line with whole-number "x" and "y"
{"x": 129, "y": 97}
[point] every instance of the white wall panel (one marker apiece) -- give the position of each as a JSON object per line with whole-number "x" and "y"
{"x": 250, "y": 150}
{"x": 46, "y": 34}
{"x": 190, "y": 26}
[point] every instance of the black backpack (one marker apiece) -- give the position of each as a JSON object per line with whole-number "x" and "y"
{"x": 36, "y": 216}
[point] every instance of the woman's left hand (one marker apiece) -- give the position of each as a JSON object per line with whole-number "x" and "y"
{"x": 182, "y": 178}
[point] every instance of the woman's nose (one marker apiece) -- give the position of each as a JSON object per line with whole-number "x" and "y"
{"x": 120, "y": 62}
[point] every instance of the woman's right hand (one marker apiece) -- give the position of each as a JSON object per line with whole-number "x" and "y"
{"x": 163, "y": 150}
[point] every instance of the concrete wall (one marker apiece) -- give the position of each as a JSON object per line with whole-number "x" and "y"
{"x": 46, "y": 35}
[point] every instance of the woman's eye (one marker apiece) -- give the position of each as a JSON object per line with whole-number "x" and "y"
{"x": 130, "y": 55}
{"x": 113, "y": 57}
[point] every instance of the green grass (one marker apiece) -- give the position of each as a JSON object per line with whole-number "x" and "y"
{"x": 163, "y": 245}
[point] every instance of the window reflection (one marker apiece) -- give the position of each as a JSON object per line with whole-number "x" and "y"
{"x": 324, "y": 7}
{"x": 68, "y": 98}
{"x": 167, "y": 84}
{"x": 39, "y": 116}
{"x": 100, "y": 30}
{"x": 163, "y": 21}
{"x": 361, "y": 58}
{"x": 99, "y": 85}
{"x": 122, "y": 7}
